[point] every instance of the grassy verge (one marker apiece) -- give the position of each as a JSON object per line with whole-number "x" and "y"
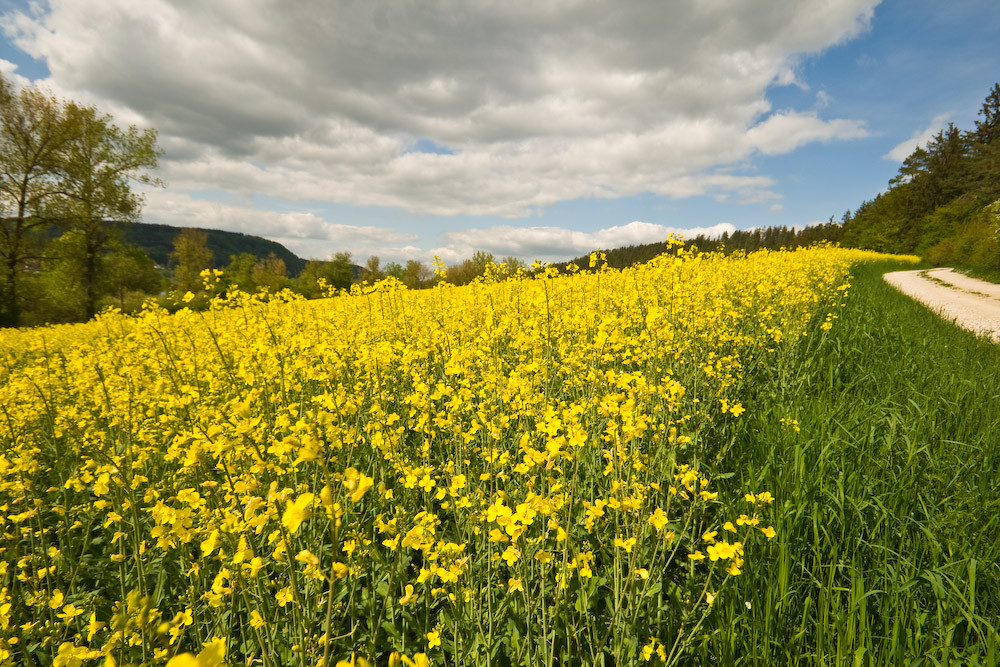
{"x": 889, "y": 521}
{"x": 989, "y": 275}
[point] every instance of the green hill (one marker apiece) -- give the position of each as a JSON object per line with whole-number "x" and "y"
{"x": 943, "y": 203}
{"x": 158, "y": 241}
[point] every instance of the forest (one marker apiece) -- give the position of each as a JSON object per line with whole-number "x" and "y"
{"x": 944, "y": 204}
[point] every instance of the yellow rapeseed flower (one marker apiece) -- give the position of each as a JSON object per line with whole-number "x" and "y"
{"x": 297, "y": 511}
{"x": 212, "y": 655}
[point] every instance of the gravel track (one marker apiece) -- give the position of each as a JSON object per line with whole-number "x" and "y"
{"x": 971, "y": 304}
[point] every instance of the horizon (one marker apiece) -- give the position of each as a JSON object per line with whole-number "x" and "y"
{"x": 540, "y": 133}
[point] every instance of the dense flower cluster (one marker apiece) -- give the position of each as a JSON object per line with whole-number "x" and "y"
{"x": 503, "y": 473}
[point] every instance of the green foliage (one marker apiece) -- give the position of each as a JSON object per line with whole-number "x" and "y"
{"x": 771, "y": 238}
{"x": 59, "y": 293}
{"x": 239, "y": 273}
{"x": 33, "y": 136}
{"x": 191, "y": 256}
{"x": 935, "y": 204}
{"x": 96, "y": 169}
{"x": 416, "y": 274}
{"x": 269, "y": 273}
{"x": 66, "y": 166}
{"x": 341, "y": 271}
{"x": 372, "y": 270}
{"x": 158, "y": 242}
{"x": 129, "y": 276}
{"x": 468, "y": 270}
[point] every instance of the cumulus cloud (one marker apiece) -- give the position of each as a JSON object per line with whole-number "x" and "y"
{"x": 10, "y": 73}
{"x": 304, "y": 233}
{"x": 309, "y": 235}
{"x": 523, "y": 105}
{"x": 557, "y": 243}
{"x": 918, "y": 139}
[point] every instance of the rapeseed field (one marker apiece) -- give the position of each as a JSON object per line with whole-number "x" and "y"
{"x": 506, "y": 473}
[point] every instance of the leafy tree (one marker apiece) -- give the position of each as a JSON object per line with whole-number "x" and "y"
{"x": 341, "y": 271}
{"x": 127, "y": 269}
{"x": 992, "y": 213}
{"x": 270, "y": 273}
{"x": 394, "y": 269}
{"x": 97, "y": 165}
{"x": 191, "y": 256}
{"x": 416, "y": 274}
{"x": 307, "y": 283}
{"x": 62, "y": 293}
{"x": 468, "y": 270}
{"x": 372, "y": 270}
{"x": 33, "y": 136}
{"x": 240, "y": 271}
{"x": 513, "y": 263}
{"x": 337, "y": 272}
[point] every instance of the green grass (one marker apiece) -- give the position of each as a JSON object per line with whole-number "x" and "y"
{"x": 991, "y": 275}
{"x": 887, "y": 500}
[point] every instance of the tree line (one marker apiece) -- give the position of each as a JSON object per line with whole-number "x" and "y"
{"x": 942, "y": 203}
{"x": 64, "y": 165}
{"x": 749, "y": 240}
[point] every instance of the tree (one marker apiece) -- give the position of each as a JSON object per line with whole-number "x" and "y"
{"x": 416, "y": 274}
{"x": 270, "y": 273}
{"x": 340, "y": 272}
{"x": 372, "y": 270}
{"x": 97, "y": 165}
{"x": 240, "y": 272}
{"x": 395, "y": 270}
{"x": 992, "y": 213}
{"x": 33, "y": 136}
{"x": 988, "y": 129}
{"x": 337, "y": 272}
{"x": 191, "y": 256}
{"x": 470, "y": 269}
{"x": 128, "y": 269}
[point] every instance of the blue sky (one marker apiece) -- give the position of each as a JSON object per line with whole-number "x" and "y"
{"x": 534, "y": 129}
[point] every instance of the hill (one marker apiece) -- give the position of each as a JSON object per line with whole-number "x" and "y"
{"x": 943, "y": 202}
{"x": 158, "y": 241}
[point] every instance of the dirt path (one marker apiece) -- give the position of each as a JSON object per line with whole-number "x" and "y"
{"x": 972, "y": 304}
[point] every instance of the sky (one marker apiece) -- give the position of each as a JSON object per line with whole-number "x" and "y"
{"x": 537, "y": 129}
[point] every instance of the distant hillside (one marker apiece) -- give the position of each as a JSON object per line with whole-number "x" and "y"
{"x": 158, "y": 242}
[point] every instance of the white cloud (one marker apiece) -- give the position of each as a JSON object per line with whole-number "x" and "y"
{"x": 9, "y": 72}
{"x": 918, "y": 139}
{"x": 785, "y": 131}
{"x": 557, "y": 243}
{"x": 305, "y": 234}
{"x": 309, "y": 235}
{"x": 539, "y": 103}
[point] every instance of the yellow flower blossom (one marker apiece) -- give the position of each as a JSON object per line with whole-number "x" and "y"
{"x": 212, "y": 655}
{"x": 357, "y": 483}
{"x": 297, "y": 511}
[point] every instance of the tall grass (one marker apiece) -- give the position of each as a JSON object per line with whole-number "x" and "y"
{"x": 888, "y": 496}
